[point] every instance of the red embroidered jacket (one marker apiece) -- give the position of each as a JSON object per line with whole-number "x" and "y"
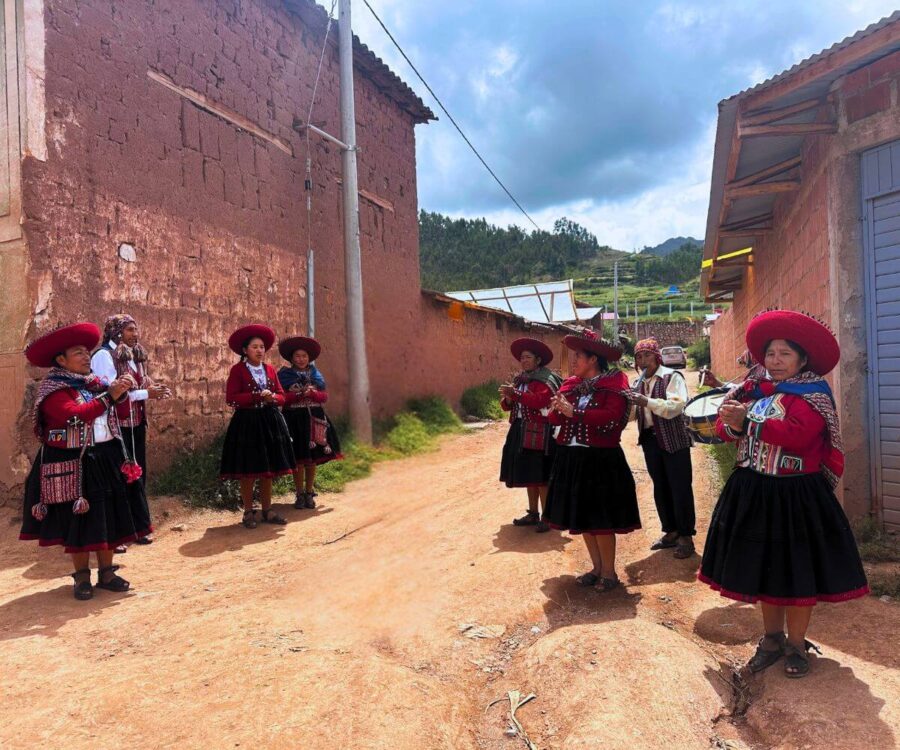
{"x": 600, "y": 422}
{"x": 242, "y": 391}
{"x": 66, "y": 418}
{"x": 528, "y": 402}
{"x": 310, "y": 398}
{"x": 783, "y": 435}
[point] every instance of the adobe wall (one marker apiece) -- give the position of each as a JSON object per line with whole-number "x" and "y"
{"x": 216, "y": 216}
{"x": 814, "y": 260}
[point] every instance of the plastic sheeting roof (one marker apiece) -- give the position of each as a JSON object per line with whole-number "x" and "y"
{"x": 544, "y": 302}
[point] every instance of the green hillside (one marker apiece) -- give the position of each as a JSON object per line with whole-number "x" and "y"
{"x": 473, "y": 254}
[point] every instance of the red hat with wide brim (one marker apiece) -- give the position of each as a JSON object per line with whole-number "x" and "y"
{"x": 42, "y": 351}
{"x": 590, "y": 341}
{"x": 538, "y": 348}
{"x": 242, "y": 335}
{"x": 821, "y": 346}
{"x": 287, "y": 347}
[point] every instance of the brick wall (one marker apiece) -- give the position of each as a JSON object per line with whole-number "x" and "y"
{"x": 680, "y": 333}
{"x": 814, "y": 259}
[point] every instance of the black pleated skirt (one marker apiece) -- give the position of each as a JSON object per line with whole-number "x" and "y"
{"x": 257, "y": 445}
{"x": 592, "y": 492}
{"x": 524, "y": 468}
{"x": 781, "y": 540}
{"x": 118, "y": 510}
{"x": 298, "y": 422}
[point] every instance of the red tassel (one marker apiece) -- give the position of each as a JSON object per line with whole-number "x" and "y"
{"x": 39, "y": 511}
{"x": 132, "y": 471}
{"x": 81, "y": 506}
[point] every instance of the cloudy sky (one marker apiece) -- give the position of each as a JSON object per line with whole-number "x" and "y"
{"x": 599, "y": 110}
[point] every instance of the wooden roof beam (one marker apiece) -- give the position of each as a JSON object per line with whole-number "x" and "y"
{"x": 748, "y": 222}
{"x": 766, "y": 116}
{"x": 763, "y": 188}
{"x": 749, "y": 232}
{"x": 765, "y": 174}
{"x": 796, "y": 128}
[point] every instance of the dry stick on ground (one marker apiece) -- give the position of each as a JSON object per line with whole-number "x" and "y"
{"x": 516, "y": 701}
{"x": 348, "y": 533}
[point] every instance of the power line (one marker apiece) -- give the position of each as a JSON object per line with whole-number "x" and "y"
{"x": 450, "y": 117}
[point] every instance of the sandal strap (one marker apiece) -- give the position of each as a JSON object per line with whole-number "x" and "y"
{"x": 108, "y": 569}
{"x": 81, "y": 572}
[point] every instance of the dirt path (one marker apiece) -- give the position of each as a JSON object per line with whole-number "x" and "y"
{"x": 343, "y": 630}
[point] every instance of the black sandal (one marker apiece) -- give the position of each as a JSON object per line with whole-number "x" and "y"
{"x": 588, "y": 579}
{"x": 83, "y": 589}
{"x": 684, "y": 550}
{"x": 300, "y": 500}
{"x": 541, "y": 527}
{"x": 531, "y": 518}
{"x": 144, "y": 540}
{"x": 115, "y": 583}
{"x": 249, "y": 519}
{"x": 796, "y": 662}
{"x": 270, "y": 516}
{"x": 769, "y": 650}
{"x": 310, "y": 503}
{"x": 120, "y": 550}
{"x": 608, "y": 584}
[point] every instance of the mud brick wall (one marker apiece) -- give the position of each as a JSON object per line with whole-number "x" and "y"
{"x": 152, "y": 205}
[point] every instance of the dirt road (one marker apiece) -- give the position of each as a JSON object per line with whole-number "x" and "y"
{"x": 343, "y": 630}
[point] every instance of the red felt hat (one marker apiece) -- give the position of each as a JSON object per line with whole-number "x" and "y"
{"x": 242, "y": 335}
{"x": 821, "y": 346}
{"x": 538, "y": 348}
{"x": 42, "y": 351}
{"x": 287, "y": 347}
{"x": 590, "y": 341}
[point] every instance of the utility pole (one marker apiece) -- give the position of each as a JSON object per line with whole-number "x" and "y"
{"x": 635, "y": 323}
{"x": 360, "y": 412}
{"x": 615, "y": 300}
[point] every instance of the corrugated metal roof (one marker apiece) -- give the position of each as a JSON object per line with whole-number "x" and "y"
{"x": 812, "y": 59}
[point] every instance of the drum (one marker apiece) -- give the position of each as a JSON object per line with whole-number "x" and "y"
{"x": 701, "y": 412}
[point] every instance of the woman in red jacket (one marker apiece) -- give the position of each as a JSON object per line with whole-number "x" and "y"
{"x": 529, "y": 448}
{"x": 591, "y": 487}
{"x": 778, "y": 534}
{"x": 315, "y": 439}
{"x": 82, "y": 491}
{"x": 257, "y": 444}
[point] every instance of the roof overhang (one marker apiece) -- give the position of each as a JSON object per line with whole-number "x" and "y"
{"x": 758, "y": 148}
{"x": 366, "y": 61}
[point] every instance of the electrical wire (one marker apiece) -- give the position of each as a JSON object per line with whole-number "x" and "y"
{"x": 450, "y": 117}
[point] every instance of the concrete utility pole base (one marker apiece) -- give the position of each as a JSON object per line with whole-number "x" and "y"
{"x": 360, "y": 412}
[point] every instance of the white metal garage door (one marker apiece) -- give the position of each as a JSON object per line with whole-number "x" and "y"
{"x": 881, "y": 211}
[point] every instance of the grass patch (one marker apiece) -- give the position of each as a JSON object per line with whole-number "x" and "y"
{"x": 883, "y": 583}
{"x": 724, "y": 455}
{"x": 482, "y": 401}
{"x": 875, "y": 544}
{"x": 195, "y": 474}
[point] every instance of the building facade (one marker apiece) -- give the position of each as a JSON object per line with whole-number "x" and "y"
{"x": 805, "y": 214}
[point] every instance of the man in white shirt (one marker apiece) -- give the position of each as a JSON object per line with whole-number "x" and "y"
{"x": 121, "y": 354}
{"x": 660, "y": 397}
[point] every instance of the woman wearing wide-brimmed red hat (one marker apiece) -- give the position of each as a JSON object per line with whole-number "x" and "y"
{"x": 529, "y": 448}
{"x": 778, "y": 534}
{"x": 81, "y": 492}
{"x": 315, "y": 439}
{"x": 257, "y": 444}
{"x": 592, "y": 490}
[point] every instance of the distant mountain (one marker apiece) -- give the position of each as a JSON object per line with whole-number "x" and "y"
{"x": 671, "y": 245}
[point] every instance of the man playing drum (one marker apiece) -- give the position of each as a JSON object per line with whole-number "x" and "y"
{"x": 660, "y": 395}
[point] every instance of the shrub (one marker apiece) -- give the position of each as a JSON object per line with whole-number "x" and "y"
{"x": 725, "y": 455}
{"x": 435, "y": 414}
{"x": 409, "y": 435}
{"x": 875, "y": 544}
{"x": 482, "y": 401}
{"x": 699, "y": 352}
